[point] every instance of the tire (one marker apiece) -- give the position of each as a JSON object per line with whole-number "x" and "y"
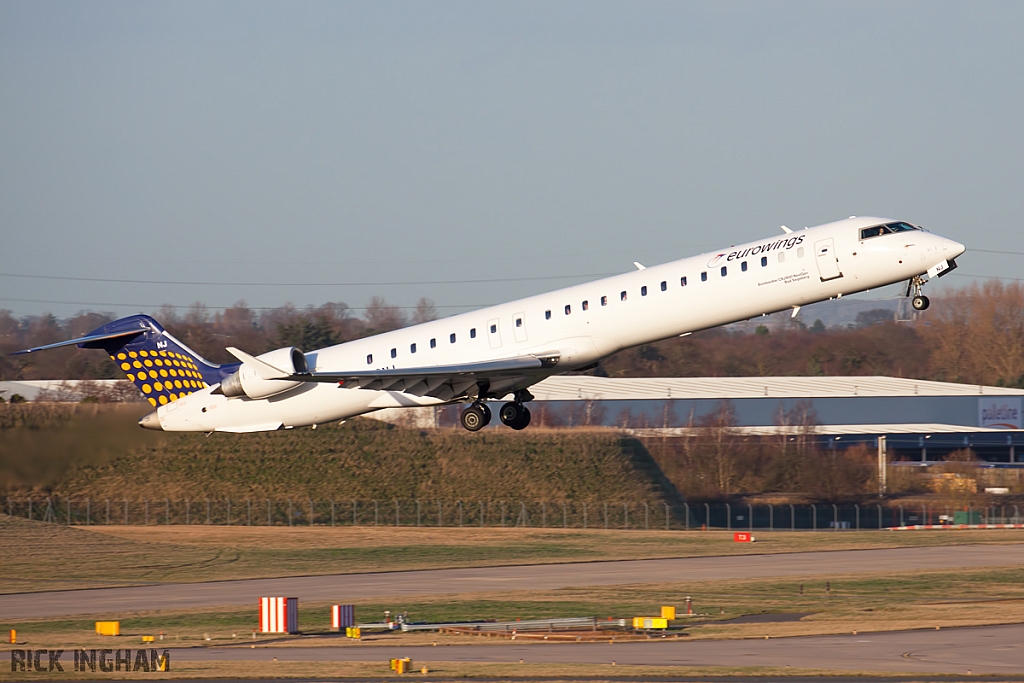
{"x": 473, "y": 419}
{"x": 511, "y": 413}
{"x": 920, "y": 303}
{"x": 524, "y": 420}
{"x": 487, "y": 413}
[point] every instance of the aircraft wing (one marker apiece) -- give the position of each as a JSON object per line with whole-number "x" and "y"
{"x": 439, "y": 381}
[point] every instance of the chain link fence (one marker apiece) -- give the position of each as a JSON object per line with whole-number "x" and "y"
{"x": 501, "y": 513}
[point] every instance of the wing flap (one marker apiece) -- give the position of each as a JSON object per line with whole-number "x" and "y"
{"x": 381, "y": 379}
{"x": 444, "y": 382}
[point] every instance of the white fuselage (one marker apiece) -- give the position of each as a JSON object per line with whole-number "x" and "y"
{"x": 585, "y": 323}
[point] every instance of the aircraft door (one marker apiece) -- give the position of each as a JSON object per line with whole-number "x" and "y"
{"x": 828, "y": 262}
{"x": 519, "y": 326}
{"x": 494, "y": 333}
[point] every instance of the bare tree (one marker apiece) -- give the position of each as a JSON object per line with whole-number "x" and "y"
{"x": 381, "y": 316}
{"x": 425, "y": 311}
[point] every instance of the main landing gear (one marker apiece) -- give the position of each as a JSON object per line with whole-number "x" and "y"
{"x": 916, "y": 287}
{"x": 476, "y": 417}
{"x": 513, "y": 414}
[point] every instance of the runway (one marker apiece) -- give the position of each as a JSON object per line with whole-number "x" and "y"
{"x": 980, "y": 650}
{"x": 342, "y": 587}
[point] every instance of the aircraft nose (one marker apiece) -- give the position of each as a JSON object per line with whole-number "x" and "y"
{"x": 151, "y": 421}
{"x": 953, "y": 248}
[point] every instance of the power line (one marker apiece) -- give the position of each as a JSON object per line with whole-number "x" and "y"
{"x": 1001, "y": 251}
{"x": 302, "y": 284}
{"x": 992, "y": 277}
{"x": 251, "y": 308}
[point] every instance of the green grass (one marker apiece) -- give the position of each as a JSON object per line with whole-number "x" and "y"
{"x": 363, "y": 459}
{"x": 891, "y": 601}
{"x": 53, "y": 556}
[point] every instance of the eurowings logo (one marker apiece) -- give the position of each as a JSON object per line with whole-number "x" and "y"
{"x": 715, "y": 261}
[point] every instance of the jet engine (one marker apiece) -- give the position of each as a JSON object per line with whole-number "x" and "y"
{"x": 246, "y": 381}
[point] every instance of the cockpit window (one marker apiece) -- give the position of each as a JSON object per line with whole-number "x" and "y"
{"x": 886, "y": 229}
{"x": 900, "y": 227}
{"x": 875, "y": 231}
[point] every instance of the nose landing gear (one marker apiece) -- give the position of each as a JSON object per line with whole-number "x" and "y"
{"x": 916, "y": 286}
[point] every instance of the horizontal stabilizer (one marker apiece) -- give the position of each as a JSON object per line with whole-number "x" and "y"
{"x": 83, "y": 340}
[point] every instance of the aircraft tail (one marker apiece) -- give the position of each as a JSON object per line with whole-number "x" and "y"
{"x": 160, "y": 366}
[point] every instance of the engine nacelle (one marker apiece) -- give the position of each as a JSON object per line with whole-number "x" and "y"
{"x": 246, "y": 381}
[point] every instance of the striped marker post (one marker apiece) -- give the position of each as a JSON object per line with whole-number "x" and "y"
{"x": 279, "y": 615}
{"x": 343, "y": 616}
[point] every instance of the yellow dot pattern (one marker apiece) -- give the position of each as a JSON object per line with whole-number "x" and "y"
{"x": 169, "y": 375}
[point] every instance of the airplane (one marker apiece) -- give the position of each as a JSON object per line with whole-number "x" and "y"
{"x": 499, "y": 352}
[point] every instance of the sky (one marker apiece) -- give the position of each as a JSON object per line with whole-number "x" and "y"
{"x": 477, "y": 152}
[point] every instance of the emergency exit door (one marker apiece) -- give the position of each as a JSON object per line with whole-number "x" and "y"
{"x": 828, "y": 263}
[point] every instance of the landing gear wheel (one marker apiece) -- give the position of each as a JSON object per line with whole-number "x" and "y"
{"x": 920, "y": 302}
{"x": 487, "y": 413}
{"x": 475, "y": 417}
{"x": 515, "y": 415}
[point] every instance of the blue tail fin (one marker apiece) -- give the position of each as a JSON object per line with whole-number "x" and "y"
{"x": 160, "y": 366}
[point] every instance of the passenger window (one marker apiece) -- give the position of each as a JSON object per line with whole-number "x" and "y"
{"x": 433, "y": 343}
{"x": 622, "y": 297}
{"x": 643, "y": 291}
{"x": 704, "y": 276}
{"x": 494, "y": 328}
{"x": 412, "y": 348}
{"x": 764, "y": 261}
{"x": 664, "y": 286}
{"x": 682, "y": 281}
{"x": 519, "y": 322}
{"x": 472, "y": 333}
{"x": 568, "y": 309}
{"x": 724, "y": 271}
{"x": 782, "y": 257}
{"x": 604, "y": 301}
{"x": 451, "y": 338}
{"x": 547, "y": 315}
{"x": 394, "y": 353}
{"x": 743, "y": 266}
{"x": 369, "y": 359}
{"x": 800, "y": 252}
{"x": 586, "y": 305}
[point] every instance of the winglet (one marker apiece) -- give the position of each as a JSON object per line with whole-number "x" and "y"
{"x": 263, "y": 369}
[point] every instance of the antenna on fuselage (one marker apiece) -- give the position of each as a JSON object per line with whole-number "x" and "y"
{"x": 785, "y": 229}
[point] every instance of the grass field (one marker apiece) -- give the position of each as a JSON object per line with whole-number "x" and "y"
{"x": 54, "y": 557}
{"x": 886, "y": 602}
{"x": 99, "y": 452}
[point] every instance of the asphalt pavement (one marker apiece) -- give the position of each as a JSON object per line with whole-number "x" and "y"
{"x": 347, "y": 587}
{"x": 978, "y": 650}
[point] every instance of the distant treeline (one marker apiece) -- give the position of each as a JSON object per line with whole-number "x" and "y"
{"x": 974, "y": 334}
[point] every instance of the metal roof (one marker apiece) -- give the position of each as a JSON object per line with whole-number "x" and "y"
{"x": 581, "y": 387}
{"x": 832, "y": 430}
